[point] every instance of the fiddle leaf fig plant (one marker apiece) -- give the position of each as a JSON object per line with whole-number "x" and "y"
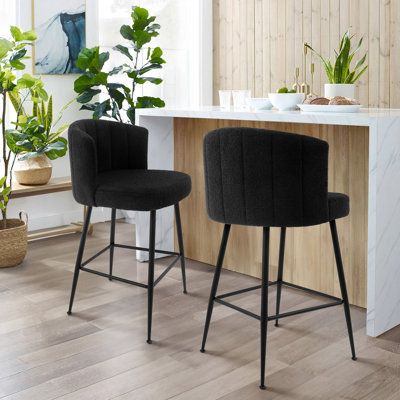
{"x": 340, "y": 71}
{"x": 119, "y": 101}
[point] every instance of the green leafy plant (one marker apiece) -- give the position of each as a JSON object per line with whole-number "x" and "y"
{"x": 12, "y": 55}
{"x": 340, "y": 71}
{"x": 119, "y": 99}
{"x": 34, "y": 135}
{"x": 30, "y": 134}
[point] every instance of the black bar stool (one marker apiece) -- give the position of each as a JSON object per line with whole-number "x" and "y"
{"x": 264, "y": 178}
{"x": 109, "y": 169}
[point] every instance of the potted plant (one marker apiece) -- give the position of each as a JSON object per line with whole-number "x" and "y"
{"x": 117, "y": 99}
{"x": 36, "y": 143}
{"x": 13, "y": 232}
{"x": 340, "y": 75}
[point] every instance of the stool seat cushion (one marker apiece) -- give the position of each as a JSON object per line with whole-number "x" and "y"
{"x": 141, "y": 189}
{"x": 338, "y": 205}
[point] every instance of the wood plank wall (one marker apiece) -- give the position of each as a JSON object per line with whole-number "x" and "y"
{"x": 258, "y": 43}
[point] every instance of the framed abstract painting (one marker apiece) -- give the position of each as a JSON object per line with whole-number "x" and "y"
{"x": 61, "y": 29}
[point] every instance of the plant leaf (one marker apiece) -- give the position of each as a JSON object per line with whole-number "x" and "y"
{"x": 131, "y": 115}
{"x": 151, "y": 79}
{"x": 102, "y": 109}
{"x": 5, "y": 47}
{"x": 149, "y": 102}
{"x": 357, "y": 77}
{"x": 87, "y": 95}
{"x": 126, "y": 32}
{"x": 49, "y": 114}
{"x": 124, "y": 50}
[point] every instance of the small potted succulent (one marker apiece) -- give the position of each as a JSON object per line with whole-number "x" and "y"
{"x": 341, "y": 76}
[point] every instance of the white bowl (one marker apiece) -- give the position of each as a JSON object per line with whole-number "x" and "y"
{"x": 286, "y": 101}
{"x": 259, "y": 103}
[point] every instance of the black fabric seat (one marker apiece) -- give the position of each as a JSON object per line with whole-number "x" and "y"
{"x": 261, "y": 178}
{"x": 141, "y": 190}
{"x": 338, "y": 205}
{"x": 109, "y": 169}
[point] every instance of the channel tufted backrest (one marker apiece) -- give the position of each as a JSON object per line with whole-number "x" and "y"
{"x": 265, "y": 178}
{"x": 97, "y": 146}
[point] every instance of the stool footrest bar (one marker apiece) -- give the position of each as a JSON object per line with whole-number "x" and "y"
{"x": 304, "y": 310}
{"x": 96, "y": 255}
{"x": 240, "y": 309}
{"x": 165, "y": 272}
{"x": 116, "y": 278}
{"x": 125, "y": 246}
{"x": 311, "y": 291}
{"x": 236, "y": 292}
{"x": 278, "y": 316}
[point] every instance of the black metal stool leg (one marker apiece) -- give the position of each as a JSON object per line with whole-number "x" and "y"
{"x": 150, "y": 283}
{"x": 342, "y": 282}
{"x": 280, "y": 272}
{"x": 215, "y": 282}
{"x": 112, "y": 240}
{"x": 79, "y": 256}
{"x": 180, "y": 242}
{"x": 264, "y": 303}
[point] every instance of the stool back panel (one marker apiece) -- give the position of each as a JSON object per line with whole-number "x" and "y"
{"x": 97, "y": 146}
{"x": 265, "y": 178}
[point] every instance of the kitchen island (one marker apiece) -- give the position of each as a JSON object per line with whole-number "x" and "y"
{"x": 364, "y": 162}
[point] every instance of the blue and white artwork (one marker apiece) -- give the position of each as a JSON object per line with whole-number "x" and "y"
{"x": 60, "y": 27}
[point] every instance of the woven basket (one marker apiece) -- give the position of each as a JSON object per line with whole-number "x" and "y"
{"x": 13, "y": 242}
{"x": 33, "y": 171}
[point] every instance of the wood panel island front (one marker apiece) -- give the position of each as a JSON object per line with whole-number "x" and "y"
{"x": 364, "y": 162}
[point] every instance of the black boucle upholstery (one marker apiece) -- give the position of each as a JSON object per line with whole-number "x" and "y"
{"x": 339, "y": 205}
{"x": 109, "y": 168}
{"x": 267, "y": 178}
{"x": 141, "y": 189}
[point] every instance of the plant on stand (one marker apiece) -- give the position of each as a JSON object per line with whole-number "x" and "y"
{"x": 340, "y": 76}
{"x": 118, "y": 100}
{"x": 15, "y": 92}
{"x": 13, "y": 51}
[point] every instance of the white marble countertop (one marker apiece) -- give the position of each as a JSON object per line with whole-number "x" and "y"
{"x": 366, "y": 116}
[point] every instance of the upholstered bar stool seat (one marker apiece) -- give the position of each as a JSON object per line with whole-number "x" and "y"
{"x": 109, "y": 169}
{"x": 141, "y": 190}
{"x": 267, "y": 179}
{"x": 338, "y": 205}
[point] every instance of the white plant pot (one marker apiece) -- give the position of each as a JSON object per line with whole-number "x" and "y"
{"x": 339, "y": 89}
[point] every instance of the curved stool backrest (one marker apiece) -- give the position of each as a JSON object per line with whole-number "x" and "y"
{"x": 265, "y": 178}
{"x": 97, "y": 146}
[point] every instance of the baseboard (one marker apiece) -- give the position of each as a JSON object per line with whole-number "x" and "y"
{"x": 56, "y": 220}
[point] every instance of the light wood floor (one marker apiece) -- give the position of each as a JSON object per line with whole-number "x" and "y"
{"x": 100, "y": 351}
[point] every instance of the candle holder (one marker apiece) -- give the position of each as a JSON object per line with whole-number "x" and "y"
{"x": 305, "y": 87}
{"x": 296, "y": 85}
